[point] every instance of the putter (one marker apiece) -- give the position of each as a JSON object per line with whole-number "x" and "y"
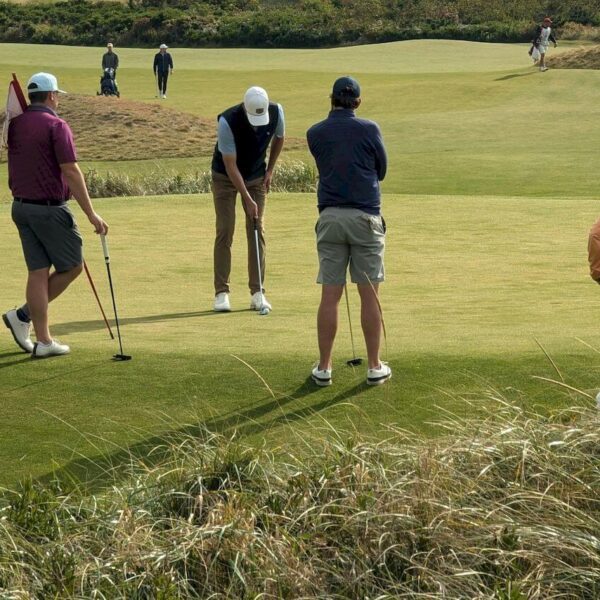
{"x": 263, "y": 309}
{"x": 119, "y": 356}
{"x": 353, "y": 362}
{"x": 89, "y": 276}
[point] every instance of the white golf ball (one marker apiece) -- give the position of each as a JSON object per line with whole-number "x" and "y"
{"x": 264, "y": 311}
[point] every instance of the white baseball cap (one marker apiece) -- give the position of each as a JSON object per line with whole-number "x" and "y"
{"x": 256, "y": 103}
{"x": 163, "y": 46}
{"x": 43, "y": 82}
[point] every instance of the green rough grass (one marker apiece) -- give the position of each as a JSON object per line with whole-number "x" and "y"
{"x": 472, "y": 283}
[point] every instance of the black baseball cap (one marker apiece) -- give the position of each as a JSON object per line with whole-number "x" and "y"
{"x": 346, "y": 87}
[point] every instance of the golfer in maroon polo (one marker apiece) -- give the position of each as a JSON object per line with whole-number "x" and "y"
{"x": 42, "y": 175}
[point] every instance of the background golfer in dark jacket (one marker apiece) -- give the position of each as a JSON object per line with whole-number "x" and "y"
{"x": 110, "y": 59}
{"x": 351, "y": 160}
{"x": 163, "y": 66}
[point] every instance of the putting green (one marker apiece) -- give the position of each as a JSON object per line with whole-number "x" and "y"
{"x": 472, "y": 284}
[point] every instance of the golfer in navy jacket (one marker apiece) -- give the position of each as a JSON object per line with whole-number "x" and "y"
{"x": 351, "y": 161}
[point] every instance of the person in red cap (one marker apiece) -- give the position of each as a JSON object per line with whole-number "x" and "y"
{"x": 541, "y": 41}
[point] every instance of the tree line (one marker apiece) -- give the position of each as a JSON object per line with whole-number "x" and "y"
{"x": 282, "y": 23}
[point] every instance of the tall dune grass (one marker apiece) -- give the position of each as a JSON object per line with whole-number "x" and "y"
{"x": 289, "y": 177}
{"x": 507, "y": 507}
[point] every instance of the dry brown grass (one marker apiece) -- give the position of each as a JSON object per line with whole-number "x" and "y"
{"x": 506, "y": 507}
{"x": 116, "y": 129}
{"x": 110, "y": 128}
{"x": 582, "y": 58}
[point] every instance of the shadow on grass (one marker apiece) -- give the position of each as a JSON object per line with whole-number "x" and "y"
{"x": 86, "y": 326}
{"x": 17, "y": 361}
{"x": 514, "y": 76}
{"x": 101, "y": 471}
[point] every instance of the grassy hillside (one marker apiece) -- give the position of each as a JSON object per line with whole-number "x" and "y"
{"x": 457, "y": 117}
{"x": 581, "y": 58}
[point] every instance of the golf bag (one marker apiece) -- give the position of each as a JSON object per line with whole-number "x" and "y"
{"x": 108, "y": 84}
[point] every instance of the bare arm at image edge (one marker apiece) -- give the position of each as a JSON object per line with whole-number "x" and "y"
{"x": 76, "y": 182}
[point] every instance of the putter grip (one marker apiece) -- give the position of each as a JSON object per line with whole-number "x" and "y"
{"x": 104, "y": 247}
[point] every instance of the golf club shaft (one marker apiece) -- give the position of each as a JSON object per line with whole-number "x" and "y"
{"x": 110, "y": 283}
{"x": 350, "y": 322}
{"x": 260, "y": 282}
{"x": 89, "y": 276}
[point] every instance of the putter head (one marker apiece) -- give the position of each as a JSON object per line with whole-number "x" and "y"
{"x": 121, "y": 357}
{"x": 354, "y": 362}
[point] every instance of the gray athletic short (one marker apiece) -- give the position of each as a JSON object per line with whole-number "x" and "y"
{"x": 49, "y": 236}
{"x": 350, "y": 236}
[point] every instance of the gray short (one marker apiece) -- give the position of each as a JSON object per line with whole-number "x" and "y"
{"x": 49, "y": 236}
{"x": 350, "y": 236}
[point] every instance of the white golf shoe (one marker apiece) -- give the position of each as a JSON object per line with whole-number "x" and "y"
{"x": 259, "y": 301}
{"x": 322, "y": 377}
{"x": 54, "y": 348}
{"x": 222, "y": 302}
{"x": 379, "y": 375}
{"x": 19, "y": 329}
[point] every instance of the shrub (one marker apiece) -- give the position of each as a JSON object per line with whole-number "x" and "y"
{"x": 288, "y": 177}
{"x": 297, "y": 23}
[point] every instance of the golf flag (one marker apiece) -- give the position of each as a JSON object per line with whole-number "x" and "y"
{"x": 15, "y": 105}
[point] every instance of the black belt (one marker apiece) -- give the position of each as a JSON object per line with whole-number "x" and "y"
{"x": 47, "y": 202}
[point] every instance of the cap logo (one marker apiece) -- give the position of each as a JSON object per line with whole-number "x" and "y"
{"x": 260, "y": 111}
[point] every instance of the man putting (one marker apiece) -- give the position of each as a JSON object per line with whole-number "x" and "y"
{"x": 42, "y": 175}
{"x": 244, "y": 133}
{"x": 351, "y": 161}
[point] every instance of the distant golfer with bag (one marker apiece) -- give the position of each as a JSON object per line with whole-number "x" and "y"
{"x": 43, "y": 174}
{"x": 244, "y": 133}
{"x": 351, "y": 160}
{"x": 541, "y": 40}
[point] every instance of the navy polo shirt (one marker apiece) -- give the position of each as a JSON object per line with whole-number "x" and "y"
{"x": 351, "y": 161}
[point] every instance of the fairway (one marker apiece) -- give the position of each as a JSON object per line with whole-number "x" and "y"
{"x": 457, "y": 117}
{"x": 492, "y": 188}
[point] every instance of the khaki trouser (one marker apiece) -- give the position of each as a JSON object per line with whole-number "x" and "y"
{"x": 224, "y": 195}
